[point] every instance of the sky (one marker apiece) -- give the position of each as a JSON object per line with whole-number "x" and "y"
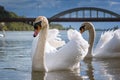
{"x": 48, "y": 8}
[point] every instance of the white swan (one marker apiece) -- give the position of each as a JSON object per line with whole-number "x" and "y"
{"x": 46, "y": 57}
{"x": 108, "y": 45}
{"x": 3, "y": 34}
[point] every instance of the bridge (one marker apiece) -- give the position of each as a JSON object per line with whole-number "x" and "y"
{"x": 75, "y": 15}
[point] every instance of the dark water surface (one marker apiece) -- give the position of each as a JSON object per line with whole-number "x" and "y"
{"x": 15, "y": 62}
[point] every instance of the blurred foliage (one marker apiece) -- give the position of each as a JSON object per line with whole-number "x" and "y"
{"x": 6, "y": 14}
{"x": 12, "y": 26}
{"x": 60, "y": 27}
{"x": 20, "y": 26}
{"x": 57, "y": 26}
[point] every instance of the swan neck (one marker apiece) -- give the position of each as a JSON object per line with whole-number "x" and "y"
{"x": 91, "y": 41}
{"x": 39, "y": 57}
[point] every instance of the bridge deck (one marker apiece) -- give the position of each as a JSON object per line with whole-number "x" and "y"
{"x": 61, "y": 19}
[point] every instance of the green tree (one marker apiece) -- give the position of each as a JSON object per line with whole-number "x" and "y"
{"x": 57, "y": 26}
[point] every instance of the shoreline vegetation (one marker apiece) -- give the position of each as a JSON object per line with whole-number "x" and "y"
{"x": 20, "y": 26}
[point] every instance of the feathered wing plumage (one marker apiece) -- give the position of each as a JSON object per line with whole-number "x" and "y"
{"x": 73, "y": 34}
{"x": 53, "y": 41}
{"x": 54, "y": 38}
{"x": 68, "y": 56}
{"x": 108, "y": 45}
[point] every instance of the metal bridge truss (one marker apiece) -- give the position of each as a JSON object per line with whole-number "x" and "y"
{"x": 86, "y": 12}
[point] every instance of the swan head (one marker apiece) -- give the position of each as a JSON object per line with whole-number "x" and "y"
{"x": 85, "y": 26}
{"x": 40, "y": 23}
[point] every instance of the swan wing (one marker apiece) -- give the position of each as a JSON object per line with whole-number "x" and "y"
{"x": 108, "y": 45}
{"x": 68, "y": 56}
{"x": 53, "y": 41}
{"x": 105, "y": 37}
{"x": 83, "y": 45}
{"x": 54, "y": 38}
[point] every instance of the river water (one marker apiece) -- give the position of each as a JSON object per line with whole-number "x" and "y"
{"x": 15, "y": 62}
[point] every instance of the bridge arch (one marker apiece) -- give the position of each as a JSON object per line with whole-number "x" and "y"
{"x": 90, "y": 11}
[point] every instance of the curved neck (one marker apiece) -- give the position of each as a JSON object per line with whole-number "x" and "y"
{"x": 39, "y": 57}
{"x": 91, "y": 41}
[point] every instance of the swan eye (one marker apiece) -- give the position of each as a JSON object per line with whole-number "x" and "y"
{"x": 37, "y": 24}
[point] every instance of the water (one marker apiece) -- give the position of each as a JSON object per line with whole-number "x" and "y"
{"x": 15, "y": 62}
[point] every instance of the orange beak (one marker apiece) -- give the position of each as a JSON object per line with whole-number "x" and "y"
{"x": 35, "y": 33}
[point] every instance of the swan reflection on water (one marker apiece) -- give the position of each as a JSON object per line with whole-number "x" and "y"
{"x": 109, "y": 69}
{"x": 95, "y": 69}
{"x": 56, "y": 75}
